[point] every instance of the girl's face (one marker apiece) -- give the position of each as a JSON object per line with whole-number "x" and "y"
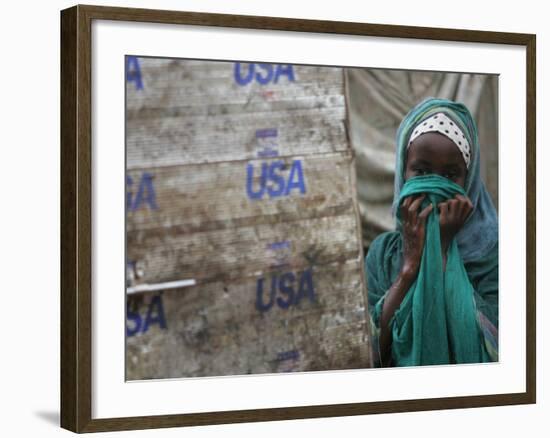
{"x": 434, "y": 153}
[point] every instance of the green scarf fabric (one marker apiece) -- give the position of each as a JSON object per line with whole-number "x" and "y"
{"x": 437, "y": 322}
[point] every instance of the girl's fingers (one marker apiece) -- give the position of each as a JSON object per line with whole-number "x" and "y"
{"x": 405, "y": 207}
{"x": 407, "y": 210}
{"x": 461, "y": 197}
{"x": 416, "y": 203}
{"x": 443, "y": 211}
{"x": 464, "y": 199}
{"x": 454, "y": 207}
{"x": 425, "y": 212}
{"x": 465, "y": 207}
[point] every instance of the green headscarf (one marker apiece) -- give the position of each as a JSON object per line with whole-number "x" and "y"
{"x": 446, "y": 316}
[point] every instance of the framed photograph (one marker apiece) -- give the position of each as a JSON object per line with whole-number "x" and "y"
{"x": 267, "y": 218}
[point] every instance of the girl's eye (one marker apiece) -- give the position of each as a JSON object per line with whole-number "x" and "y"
{"x": 421, "y": 171}
{"x": 450, "y": 175}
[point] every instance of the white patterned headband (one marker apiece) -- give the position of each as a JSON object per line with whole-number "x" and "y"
{"x": 441, "y": 123}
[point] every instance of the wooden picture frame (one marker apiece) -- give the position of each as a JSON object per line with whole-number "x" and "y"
{"x": 76, "y": 217}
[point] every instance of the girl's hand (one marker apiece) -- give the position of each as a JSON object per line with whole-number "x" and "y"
{"x": 414, "y": 232}
{"x": 452, "y": 216}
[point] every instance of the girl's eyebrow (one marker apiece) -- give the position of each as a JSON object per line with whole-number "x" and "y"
{"x": 452, "y": 166}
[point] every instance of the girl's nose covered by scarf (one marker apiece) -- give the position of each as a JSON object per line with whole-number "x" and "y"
{"x": 436, "y": 322}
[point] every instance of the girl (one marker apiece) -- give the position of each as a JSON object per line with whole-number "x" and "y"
{"x": 433, "y": 283}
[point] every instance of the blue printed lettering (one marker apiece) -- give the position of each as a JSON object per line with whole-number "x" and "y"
{"x": 260, "y": 305}
{"x": 145, "y": 195}
{"x": 306, "y": 287}
{"x": 263, "y": 73}
{"x": 279, "y": 245}
{"x": 276, "y": 179}
{"x": 264, "y": 133}
{"x": 267, "y": 142}
{"x": 129, "y": 194}
{"x": 249, "y": 75}
{"x": 285, "y": 285}
{"x": 132, "y": 318}
{"x": 288, "y": 355}
{"x": 136, "y": 323}
{"x": 157, "y": 317}
{"x": 133, "y": 71}
{"x": 296, "y": 178}
{"x": 272, "y": 181}
{"x": 268, "y": 68}
{"x": 284, "y": 69}
{"x": 250, "y": 181}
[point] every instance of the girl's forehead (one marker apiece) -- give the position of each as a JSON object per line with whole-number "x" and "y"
{"x": 433, "y": 146}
